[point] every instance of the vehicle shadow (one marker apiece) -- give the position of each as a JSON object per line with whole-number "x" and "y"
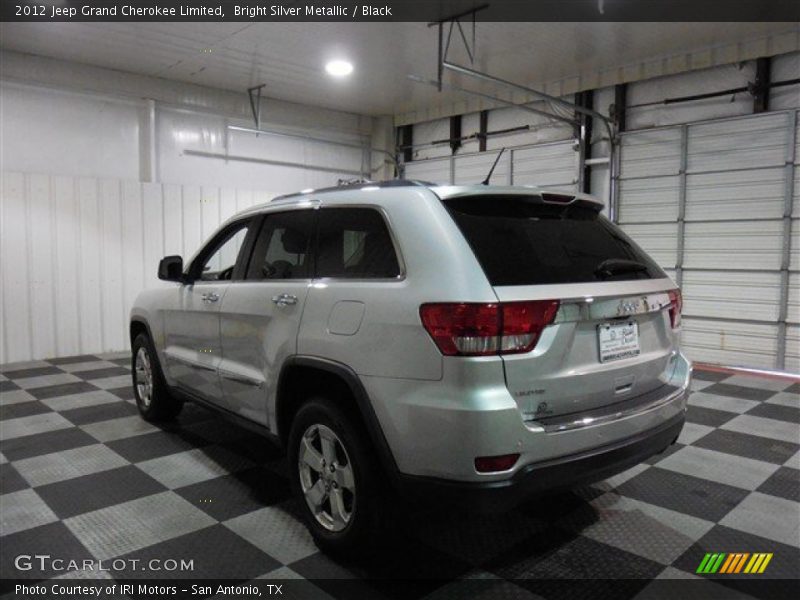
{"x": 420, "y": 546}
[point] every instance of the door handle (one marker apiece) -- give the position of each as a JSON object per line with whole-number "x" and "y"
{"x": 284, "y": 299}
{"x": 210, "y": 297}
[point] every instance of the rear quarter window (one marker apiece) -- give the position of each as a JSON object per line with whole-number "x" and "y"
{"x": 520, "y": 240}
{"x": 354, "y": 243}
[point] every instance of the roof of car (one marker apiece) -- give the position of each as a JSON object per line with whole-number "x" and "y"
{"x": 312, "y": 196}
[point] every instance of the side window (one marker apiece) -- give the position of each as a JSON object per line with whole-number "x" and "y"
{"x": 282, "y": 248}
{"x": 354, "y": 243}
{"x": 220, "y": 263}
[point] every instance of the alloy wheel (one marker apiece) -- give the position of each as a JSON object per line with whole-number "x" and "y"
{"x": 144, "y": 377}
{"x": 326, "y": 477}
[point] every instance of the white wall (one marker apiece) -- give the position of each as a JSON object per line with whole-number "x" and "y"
{"x": 75, "y": 251}
{"x": 99, "y": 182}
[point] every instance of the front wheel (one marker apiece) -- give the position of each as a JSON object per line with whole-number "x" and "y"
{"x": 334, "y": 478}
{"x": 153, "y": 399}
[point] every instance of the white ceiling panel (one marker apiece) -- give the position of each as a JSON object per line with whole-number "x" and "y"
{"x": 289, "y": 57}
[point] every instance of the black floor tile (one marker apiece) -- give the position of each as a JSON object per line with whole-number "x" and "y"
{"x": 99, "y": 412}
{"x": 102, "y": 373}
{"x": 581, "y": 568}
{"x": 124, "y": 393}
{"x": 22, "y": 409}
{"x": 709, "y": 375}
{"x": 708, "y": 416}
{"x": 793, "y": 389}
{"x": 784, "y": 563}
{"x": 749, "y": 446}
{"x": 54, "y": 540}
{"x": 333, "y": 577}
{"x": 156, "y": 444}
{"x": 404, "y": 569}
{"x": 71, "y": 360}
{"x": 408, "y": 569}
{"x": 33, "y": 372}
{"x": 8, "y": 386}
{"x": 739, "y": 391}
{"x": 682, "y": 493}
{"x": 776, "y": 411}
{"x": 10, "y": 480}
{"x": 45, "y": 443}
{"x": 123, "y": 362}
{"x": 99, "y": 490}
{"x": 65, "y": 389}
{"x": 785, "y": 482}
{"x": 216, "y": 552}
{"x": 227, "y": 497}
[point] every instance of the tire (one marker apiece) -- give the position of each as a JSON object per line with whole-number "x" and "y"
{"x": 153, "y": 399}
{"x": 347, "y": 522}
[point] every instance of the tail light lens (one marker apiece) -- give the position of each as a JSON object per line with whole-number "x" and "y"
{"x": 675, "y": 308}
{"x": 466, "y": 329}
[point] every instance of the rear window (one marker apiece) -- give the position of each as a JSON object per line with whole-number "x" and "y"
{"x": 521, "y": 241}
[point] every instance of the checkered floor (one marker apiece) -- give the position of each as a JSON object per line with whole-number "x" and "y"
{"x": 84, "y": 477}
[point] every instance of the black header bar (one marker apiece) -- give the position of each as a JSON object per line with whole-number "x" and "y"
{"x": 401, "y": 10}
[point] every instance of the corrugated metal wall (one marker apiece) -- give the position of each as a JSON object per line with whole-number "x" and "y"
{"x": 713, "y": 202}
{"x": 75, "y": 251}
{"x": 550, "y": 165}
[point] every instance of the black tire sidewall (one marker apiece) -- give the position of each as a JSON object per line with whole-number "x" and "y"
{"x": 162, "y": 405}
{"x": 356, "y": 536}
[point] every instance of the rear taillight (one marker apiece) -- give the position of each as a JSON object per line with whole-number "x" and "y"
{"x": 468, "y": 329}
{"x": 675, "y": 307}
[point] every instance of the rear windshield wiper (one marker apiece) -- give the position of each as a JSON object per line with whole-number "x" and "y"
{"x": 614, "y": 266}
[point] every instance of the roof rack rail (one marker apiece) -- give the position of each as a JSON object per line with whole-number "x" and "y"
{"x": 356, "y": 184}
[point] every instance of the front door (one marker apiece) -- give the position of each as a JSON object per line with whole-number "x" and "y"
{"x": 260, "y": 316}
{"x": 193, "y": 348}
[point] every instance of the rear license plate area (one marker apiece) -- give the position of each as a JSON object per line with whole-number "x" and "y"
{"x": 618, "y": 341}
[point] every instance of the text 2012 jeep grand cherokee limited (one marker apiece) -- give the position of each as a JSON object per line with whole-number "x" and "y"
{"x": 476, "y": 343}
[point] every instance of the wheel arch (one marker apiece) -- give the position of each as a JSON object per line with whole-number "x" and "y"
{"x": 139, "y": 325}
{"x": 302, "y": 376}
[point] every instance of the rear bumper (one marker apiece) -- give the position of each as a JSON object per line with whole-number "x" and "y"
{"x": 551, "y": 475}
{"x": 435, "y": 430}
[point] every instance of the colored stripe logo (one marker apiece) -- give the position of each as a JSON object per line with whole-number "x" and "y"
{"x": 734, "y": 562}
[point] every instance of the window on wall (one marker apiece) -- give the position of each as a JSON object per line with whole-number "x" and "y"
{"x": 219, "y": 264}
{"x": 282, "y": 250}
{"x": 354, "y": 243}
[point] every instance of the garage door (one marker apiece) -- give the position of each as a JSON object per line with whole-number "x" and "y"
{"x": 712, "y": 202}
{"x": 553, "y": 165}
{"x": 434, "y": 170}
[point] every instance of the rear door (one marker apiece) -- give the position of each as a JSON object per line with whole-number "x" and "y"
{"x": 260, "y": 316}
{"x": 612, "y": 337}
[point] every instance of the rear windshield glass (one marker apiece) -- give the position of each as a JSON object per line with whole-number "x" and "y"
{"x": 521, "y": 241}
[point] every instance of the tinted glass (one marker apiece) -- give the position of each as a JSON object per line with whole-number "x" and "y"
{"x": 354, "y": 243}
{"x": 282, "y": 248}
{"x": 521, "y": 241}
{"x": 219, "y": 264}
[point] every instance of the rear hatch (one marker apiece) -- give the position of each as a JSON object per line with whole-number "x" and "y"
{"x": 612, "y": 337}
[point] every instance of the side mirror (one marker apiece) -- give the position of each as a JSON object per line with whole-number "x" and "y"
{"x": 170, "y": 268}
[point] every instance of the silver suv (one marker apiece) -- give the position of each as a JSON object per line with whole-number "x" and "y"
{"x": 476, "y": 344}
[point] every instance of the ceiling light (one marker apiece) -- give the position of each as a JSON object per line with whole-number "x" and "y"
{"x": 339, "y": 68}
